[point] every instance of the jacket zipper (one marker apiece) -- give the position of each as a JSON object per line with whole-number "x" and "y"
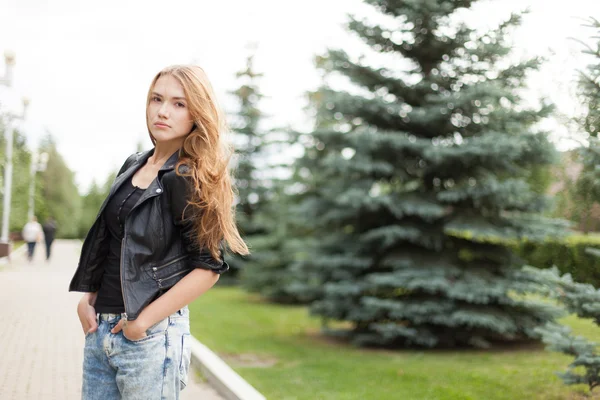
{"x": 123, "y": 248}
{"x": 121, "y": 273}
{"x": 169, "y": 263}
{"x": 169, "y": 277}
{"x": 155, "y": 269}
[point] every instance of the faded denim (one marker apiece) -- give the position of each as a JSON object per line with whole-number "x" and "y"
{"x": 152, "y": 368}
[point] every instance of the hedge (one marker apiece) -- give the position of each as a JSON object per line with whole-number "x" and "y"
{"x": 568, "y": 254}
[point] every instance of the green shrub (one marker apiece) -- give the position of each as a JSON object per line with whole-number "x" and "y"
{"x": 568, "y": 254}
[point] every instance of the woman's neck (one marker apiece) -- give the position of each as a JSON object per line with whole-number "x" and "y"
{"x": 162, "y": 152}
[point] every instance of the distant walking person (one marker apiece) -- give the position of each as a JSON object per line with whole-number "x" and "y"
{"x": 49, "y": 229}
{"x": 32, "y": 233}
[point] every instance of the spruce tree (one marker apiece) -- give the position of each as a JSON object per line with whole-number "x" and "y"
{"x": 249, "y": 144}
{"x": 586, "y": 190}
{"x": 269, "y": 271}
{"x": 262, "y": 178}
{"x": 421, "y": 180}
{"x": 581, "y": 299}
{"x": 303, "y": 278}
{"x": 589, "y": 84}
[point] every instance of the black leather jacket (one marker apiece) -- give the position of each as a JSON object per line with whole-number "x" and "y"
{"x": 157, "y": 249}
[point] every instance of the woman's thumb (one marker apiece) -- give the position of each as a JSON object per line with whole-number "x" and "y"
{"x": 93, "y": 324}
{"x": 117, "y": 327}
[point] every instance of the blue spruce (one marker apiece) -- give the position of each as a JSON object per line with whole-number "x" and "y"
{"x": 416, "y": 179}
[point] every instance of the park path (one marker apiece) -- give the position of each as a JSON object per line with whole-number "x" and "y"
{"x": 41, "y": 341}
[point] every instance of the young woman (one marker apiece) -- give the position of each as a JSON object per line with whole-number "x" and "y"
{"x": 156, "y": 245}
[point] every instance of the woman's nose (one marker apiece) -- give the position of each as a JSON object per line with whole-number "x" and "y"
{"x": 163, "y": 111}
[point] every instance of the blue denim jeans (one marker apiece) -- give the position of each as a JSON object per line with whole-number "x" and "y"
{"x": 154, "y": 367}
{"x": 30, "y": 250}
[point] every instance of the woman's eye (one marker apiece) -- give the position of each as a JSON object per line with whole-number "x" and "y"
{"x": 180, "y": 104}
{"x": 156, "y": 98}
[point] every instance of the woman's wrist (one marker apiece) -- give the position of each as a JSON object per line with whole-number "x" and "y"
{"x": 144, "y": 321}
{"x": 89, "y": 298}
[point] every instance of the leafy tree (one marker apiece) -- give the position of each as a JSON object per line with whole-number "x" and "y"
{"x": 59, "y": 195}
{"x": 90, "y": 205}
{"x": 21, "y": 178}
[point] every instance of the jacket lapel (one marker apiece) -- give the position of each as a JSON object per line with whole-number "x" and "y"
{"x": 155, "y": 188}
{"x": 119, "y": 180}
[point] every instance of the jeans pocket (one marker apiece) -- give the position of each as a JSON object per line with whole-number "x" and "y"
{"x": 157, "y": 330}
{"x": 186, "y": 354}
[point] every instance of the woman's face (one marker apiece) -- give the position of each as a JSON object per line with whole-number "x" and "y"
{"x": 168, "y": 114}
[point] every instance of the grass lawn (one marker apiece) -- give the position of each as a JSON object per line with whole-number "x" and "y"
{"x": 279, "y": 350}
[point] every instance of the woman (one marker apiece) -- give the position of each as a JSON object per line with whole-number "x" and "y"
{"x": 156, "y": 245}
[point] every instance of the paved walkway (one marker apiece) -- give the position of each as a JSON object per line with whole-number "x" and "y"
{"x": 41, "y": 341}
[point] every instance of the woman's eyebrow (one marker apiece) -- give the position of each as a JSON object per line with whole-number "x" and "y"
{"x": 174, "y": 98}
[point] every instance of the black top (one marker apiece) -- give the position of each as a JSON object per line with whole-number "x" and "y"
{"x": 110, "y": 297}
{"x": 49, "y": 229}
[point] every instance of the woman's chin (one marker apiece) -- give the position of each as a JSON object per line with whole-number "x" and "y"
{"x": 167, "y": 139}
{"x": 161, "y": 134}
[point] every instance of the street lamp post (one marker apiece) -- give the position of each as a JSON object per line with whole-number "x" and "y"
{"x": 6, "y": 80}
{"x": 9, "y": 60}
{"x": 38, "y": 164}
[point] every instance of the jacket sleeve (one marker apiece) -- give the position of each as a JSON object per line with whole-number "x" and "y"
{"x": 179, "y": 191}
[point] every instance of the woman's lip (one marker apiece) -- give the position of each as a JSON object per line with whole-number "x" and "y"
{"x": 161, "y": 125}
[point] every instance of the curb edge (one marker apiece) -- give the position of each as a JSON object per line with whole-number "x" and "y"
{"x": 221, "y": 376}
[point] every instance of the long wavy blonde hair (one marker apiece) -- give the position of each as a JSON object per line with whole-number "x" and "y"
{"x": 207, "y": 155}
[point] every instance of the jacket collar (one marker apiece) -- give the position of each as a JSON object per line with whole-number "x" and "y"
{"x": 141, "y": 160}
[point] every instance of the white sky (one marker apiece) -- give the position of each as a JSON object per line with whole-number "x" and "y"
{"x": 86, "y": 66}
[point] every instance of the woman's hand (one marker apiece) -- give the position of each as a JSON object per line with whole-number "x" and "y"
{"x": 87, "y": 313}
{"x": 132, "y": 330}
